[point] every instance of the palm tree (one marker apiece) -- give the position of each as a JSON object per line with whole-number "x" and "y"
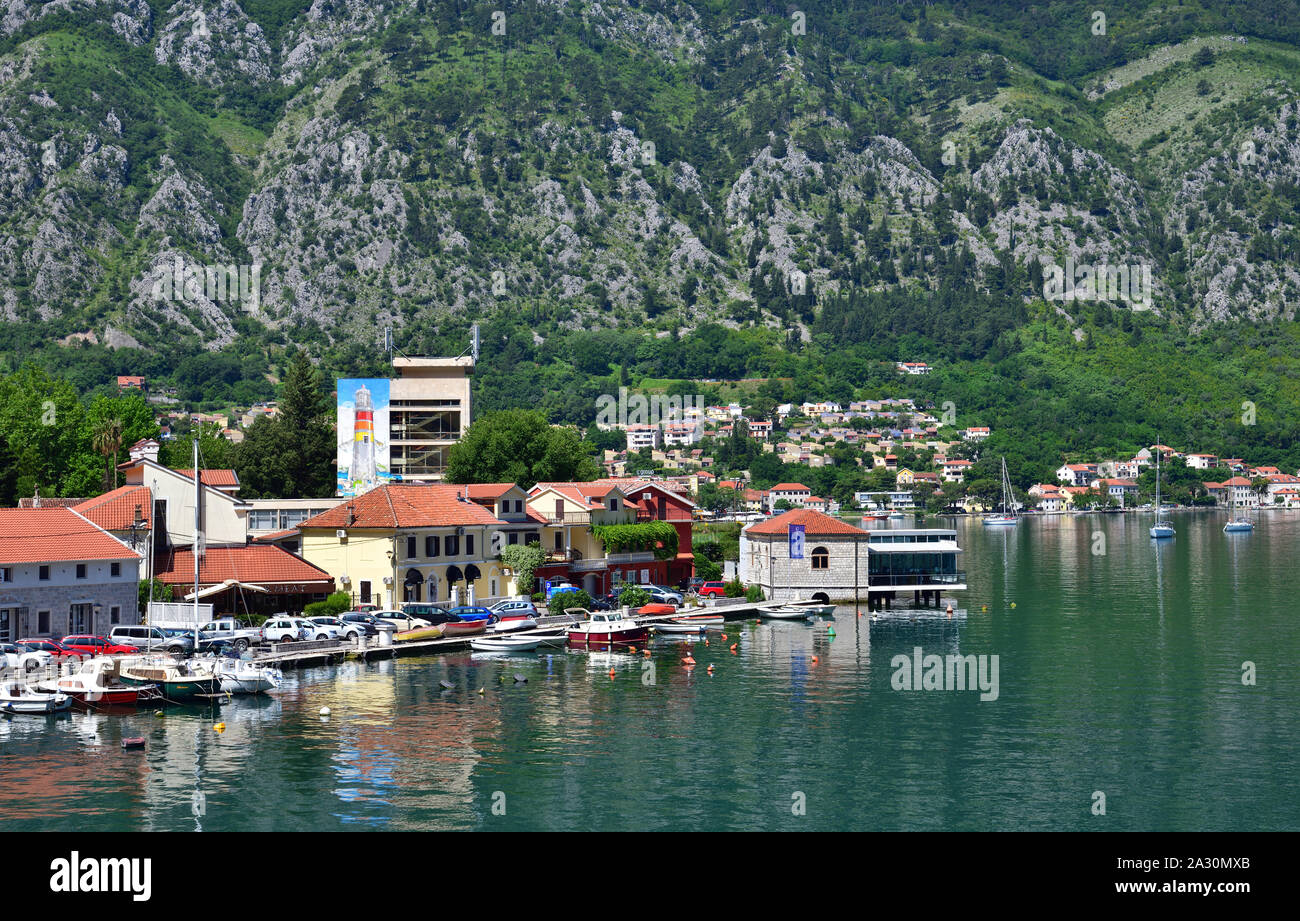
{"x": 107, "y": 440}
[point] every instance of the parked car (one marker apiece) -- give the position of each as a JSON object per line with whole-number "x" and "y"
{"x": 285, "y": 629}
{"x": 400, "y": 619}
{"x": 513, "y": 610}
{"x": 207, "y": 642}
{"x": 56, "y": 650}
{"x": 664, "y": 595}
{"x": 367, "y": 622}
{"x": 346, "y": 630}
{"x": 712, "y": 590}
{"x": 240, "y": 637}
{"x": 149, "y": 638}
{"x": 85, "y": 644}
{"x": 21, "y": 659}
{"x": 470, "y": 612}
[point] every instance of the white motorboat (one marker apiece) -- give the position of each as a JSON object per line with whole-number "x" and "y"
{"x": 237, "y": 676}
{"x": 1238, "y": 524}
{"x": 20, "y": 697}
{"x": 512, "y": 625}
{"x": 785, "y": 612}
{"x": 505, "y": 644}
{"x": 677, "y": 627}
{"x": 606, "y": 629}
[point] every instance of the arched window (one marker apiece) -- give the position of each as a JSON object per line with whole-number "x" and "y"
{"x": 820, "y": 558}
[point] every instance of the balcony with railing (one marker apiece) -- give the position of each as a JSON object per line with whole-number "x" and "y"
{"x": 915, "y": 579}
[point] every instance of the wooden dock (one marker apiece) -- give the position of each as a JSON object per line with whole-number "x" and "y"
{"x": 331, "y": 652}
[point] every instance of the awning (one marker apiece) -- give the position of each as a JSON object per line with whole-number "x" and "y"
{"x": 228, "y": 584}
{"x": 454, "y": 574}
{"x": 472, "y": 573}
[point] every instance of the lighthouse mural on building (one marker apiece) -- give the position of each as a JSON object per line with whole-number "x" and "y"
{"x": 363, "y": 435}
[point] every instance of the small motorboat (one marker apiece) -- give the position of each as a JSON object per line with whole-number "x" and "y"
{"x": 704, "y": 618}
{"x": 96, "y": 684}
{"x": 819, "y": 610}
{"x": 419, "y": 633}
{"x": 236, "y": 676}
{"x": 20, "y": 697}
{"x": 605, "y": 630}
{"x": 676, "y": 627}
{"x": 505, "y": 644}
{"x": 550, "y": 636}
{"x": 512, "y": 625}
{"x": 177, "y": 680}
{"x": 458, "y": 628}
{"x": 785, "y": 612}
{"x": 655, "y": 609}
{"x": 1237, "y": 525}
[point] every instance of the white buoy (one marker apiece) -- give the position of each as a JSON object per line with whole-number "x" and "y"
{"x": 324, "y": 711}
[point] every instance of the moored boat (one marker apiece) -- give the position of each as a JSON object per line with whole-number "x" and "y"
{"x": 464, "y": 628}
{"x": 606, "y": 629}
{"x": 176, "y": 680}
{"x": 419, "y": 633}
{"x": 785, "y": 612}
{"x": 19, "y": 697}
{"x": 236, "y": 676}
{"x": 97, "y": 684}
{"x": 504, "y": 644}
{"x": 1238, "y": 524}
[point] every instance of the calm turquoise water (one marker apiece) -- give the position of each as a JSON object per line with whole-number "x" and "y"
{"x": 1119, "y": 672}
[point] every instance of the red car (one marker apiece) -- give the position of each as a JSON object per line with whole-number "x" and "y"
{"x": 57, "y": 650}
{"x": 87, "y": 645}
{"x": 714, "y": 589}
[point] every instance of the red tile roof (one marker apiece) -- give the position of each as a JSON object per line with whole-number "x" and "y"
{"x": 405, "y": 506}
{"x": 48, "y": 502}
{"x": 55, "y": 535}
{"x": 478, "y": 491}
{"x": 212, "y": 477}
{"x": 790, "y": 487}
{"x": 814, "y": 524}
{"x": 260, "y": 564}
{"x": 115, "y": 511}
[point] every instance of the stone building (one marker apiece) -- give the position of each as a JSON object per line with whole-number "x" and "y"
{"x": 835, "y": 561}
{"x": 62, "y": 574}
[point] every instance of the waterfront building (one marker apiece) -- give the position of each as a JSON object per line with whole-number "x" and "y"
{"x": 835, "y": 561}
{"x": 794, "y": 493}
{"x": 431, "y": 542}
{"x": 574, "y": 553}
{"x": 61, "y": 574}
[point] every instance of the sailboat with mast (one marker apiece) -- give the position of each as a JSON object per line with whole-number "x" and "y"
{"x": 1238, "y": 523}
{"x": 1006, "y": 509}
{"x": 1161, "y": 529}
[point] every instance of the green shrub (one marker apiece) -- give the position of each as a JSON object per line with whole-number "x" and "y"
{"x": 734, "y": 589}
{"x": 335, "y": 604}
{"x": 634, "y": 596}
{"x": 578, "y": 599}
{"x": 754, "y": 593}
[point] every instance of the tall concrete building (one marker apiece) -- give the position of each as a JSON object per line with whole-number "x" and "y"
{"x": 429, "y": 411}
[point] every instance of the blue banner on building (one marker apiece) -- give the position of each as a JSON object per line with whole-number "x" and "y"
{"x": 796, "y": 541}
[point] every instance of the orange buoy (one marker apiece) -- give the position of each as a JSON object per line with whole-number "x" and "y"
{"x": 815, "y": 660}
{"x": 688, "y": 660}
{"x": 710, "y": 669}
{"x": 632, "y": 650}
{"x": 724, "y": 637}
{"x": 611, "y": 673}
{"x": 733, "y": 648}
{"x": 645, "y": 652}
{"x": 706, "y": 641}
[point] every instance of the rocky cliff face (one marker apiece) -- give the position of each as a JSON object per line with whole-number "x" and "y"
{"x": 375, "y": 162}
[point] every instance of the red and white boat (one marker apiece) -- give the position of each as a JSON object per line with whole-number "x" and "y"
{"x": 97, "y": 684}
{"x": 464, "y": 628}
{"x": 605, "y": 630}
